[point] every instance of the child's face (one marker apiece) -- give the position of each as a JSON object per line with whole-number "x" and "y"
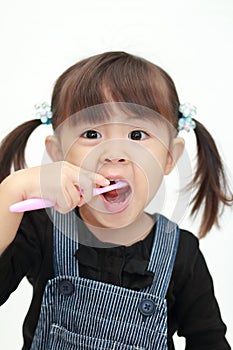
{"x": 136, "y": 150}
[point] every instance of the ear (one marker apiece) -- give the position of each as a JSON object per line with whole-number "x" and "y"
{"x": 175, "y": 152}
{"x": 53, "y": 148}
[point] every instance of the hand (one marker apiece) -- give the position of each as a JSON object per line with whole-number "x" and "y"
{"x": 61, "y": 182}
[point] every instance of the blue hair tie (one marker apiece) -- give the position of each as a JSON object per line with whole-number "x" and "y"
{"x": 186, "y": 122}
{"x": 44, "y": 113}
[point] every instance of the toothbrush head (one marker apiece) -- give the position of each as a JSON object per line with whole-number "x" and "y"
{"x": 117, "y": 185}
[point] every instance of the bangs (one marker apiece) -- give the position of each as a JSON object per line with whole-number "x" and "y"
{"x": 113, "y": 77}
{"x": 114, "y": 112}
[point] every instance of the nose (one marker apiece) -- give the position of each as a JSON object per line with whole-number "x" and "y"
{"x": 114, "y": 152}
{"x": 115, "y": 160}
{"x": 114, "y": 157}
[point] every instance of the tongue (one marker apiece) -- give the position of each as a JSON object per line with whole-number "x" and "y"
{"x": 117, "y": 196}
{"x": 110, "y": 195}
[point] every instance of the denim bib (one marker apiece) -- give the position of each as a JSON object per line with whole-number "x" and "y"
{"x": 83, "y": 314}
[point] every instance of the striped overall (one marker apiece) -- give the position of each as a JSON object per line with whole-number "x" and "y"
{"x": 82, "y": 314}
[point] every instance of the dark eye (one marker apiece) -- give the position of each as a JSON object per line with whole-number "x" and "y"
{"x": 91, "y": 134}
{"x": 137, "y": 135}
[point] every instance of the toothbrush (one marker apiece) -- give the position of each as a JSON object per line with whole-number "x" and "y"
{"x": 40, "y": 203}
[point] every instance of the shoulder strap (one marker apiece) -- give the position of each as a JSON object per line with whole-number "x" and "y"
{"x": 65, "y": 237}
{"x": 164, "y": 249}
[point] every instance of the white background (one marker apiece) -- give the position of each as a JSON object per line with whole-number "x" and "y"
{"x": 190, "y": 39}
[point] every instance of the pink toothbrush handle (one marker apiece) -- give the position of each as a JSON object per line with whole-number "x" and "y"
{"x": 31, "y": 204}
{"x": 40, "y": 203}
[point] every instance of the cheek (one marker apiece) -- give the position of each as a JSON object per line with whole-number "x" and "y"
{"x": 148, "y": 180}
{"x": 76, "y": 155}
{"x": 150, "y": 168}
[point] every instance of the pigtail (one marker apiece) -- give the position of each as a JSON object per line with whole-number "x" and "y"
{"x": 210, "y": 180}
{"x": 12, "y": 148}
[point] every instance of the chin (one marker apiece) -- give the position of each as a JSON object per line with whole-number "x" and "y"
{"x": 118, "y": 220}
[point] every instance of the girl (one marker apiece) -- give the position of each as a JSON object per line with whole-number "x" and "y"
{"x": 105, "y": 274}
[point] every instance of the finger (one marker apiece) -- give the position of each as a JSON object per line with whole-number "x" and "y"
{"x": 85, "y": 189}
{"x": 66, "y": 199}
{"x": 81, "y": 175}
{"x": 101, "y": 180}
{"x": 74, "y": 195}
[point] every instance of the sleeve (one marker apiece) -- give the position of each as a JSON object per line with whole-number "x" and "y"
{"x": 196, "y": 308}
{"x": 23, "y": 256}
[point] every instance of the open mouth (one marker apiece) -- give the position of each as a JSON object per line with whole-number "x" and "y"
{"x": 117, "y": 199}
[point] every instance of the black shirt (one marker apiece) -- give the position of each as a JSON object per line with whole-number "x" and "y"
{"x": 192, "y": 308}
